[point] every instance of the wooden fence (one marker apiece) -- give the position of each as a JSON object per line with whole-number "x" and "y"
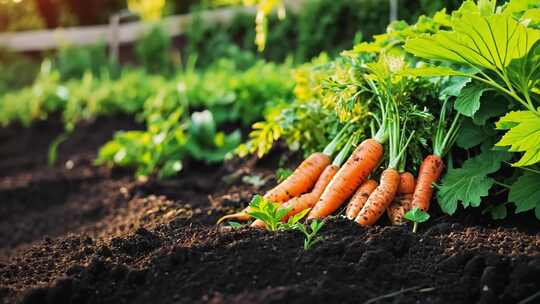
{"x": 116, "y": 33}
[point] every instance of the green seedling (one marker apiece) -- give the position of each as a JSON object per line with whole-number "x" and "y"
{"x": 311, "y": 237}
{"x": 416, "y": 215}
{"x": 272, "y": 214}
{"x": 268, "y": 212}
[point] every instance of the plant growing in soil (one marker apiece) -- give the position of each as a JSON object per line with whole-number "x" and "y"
{"x": 311, "y": 237}
{"x": 271, "y": 214}
{"x": 417, "y": 216}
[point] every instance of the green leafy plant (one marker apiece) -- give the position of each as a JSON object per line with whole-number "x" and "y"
{"x": 505, "y": 60}
{"x": 311, "y": 233}
{"x": 417, "y": 216}
{"x": 157, "y": 150}
{"x": 152, "y": 51}
{"x": 271, "y": 214}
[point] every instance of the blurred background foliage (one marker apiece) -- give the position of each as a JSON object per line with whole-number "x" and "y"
{"x": 196, "y": 93}
{"x": 321, "y": 26}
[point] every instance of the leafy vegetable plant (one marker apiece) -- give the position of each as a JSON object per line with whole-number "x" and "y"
{"x": 417, "y": 216}
{"x": 310, "y": 232}
{"x": 496, "y": 51}
{"x": 271, "y": 214}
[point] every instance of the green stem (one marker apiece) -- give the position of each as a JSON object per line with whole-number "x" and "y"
{"x": 414, "y": 227}
{"x": 506, "y": 91}
{"x": 530, "y": 170}
{"x": 332, "y": 146}
{"x": 502, "y": 184}
{"x": 344, "y": 153}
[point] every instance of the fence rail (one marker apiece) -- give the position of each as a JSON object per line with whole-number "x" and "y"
{"x": 116, "y": 34}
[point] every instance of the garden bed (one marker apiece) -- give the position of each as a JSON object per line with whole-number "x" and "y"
{"x": 77, "y": 233}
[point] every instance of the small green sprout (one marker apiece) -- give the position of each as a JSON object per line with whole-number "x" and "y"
{"x": 272, "y": 215}
{"x": 416, "y": 215}
{"x": 268, "y": 212}
{"x": 311, "y": 237}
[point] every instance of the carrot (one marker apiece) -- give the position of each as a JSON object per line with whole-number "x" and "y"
{"x": 406, "y": 183}
{"x": 402, "y": 202}
{"x": 397, "y": 209}
{"x": 353, "y": 173}
{"x": 309, "y": 200}
{"x": 380, "y": 199}
{"x": 429, "y": 173}
{"x": 239, "y": 216}
{"x": 301, "y": 180}
{"x": 306, "y": 200}
{"x": 432, "y": 166}
{"x": 359, "y": 198}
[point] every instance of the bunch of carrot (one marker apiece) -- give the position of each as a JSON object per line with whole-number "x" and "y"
{"x": 324, "y": 186}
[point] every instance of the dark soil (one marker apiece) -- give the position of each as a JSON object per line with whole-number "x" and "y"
{"x": 76, "y": 233}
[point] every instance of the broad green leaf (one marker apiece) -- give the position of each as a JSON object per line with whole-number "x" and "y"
{"x": 487, "y": 7}
{"x": 524, "y": 72}
{"x": 523, "y": 135}
{"x": 516, "y": 6}
{"x": 490, "y": 107}
{"x": 453, "y": 87}
{"x": 469, "y": 183}
{"x": 468, "y": 101}
{"x": 471, "y": 135}
{"x": 416, "y": 215}
{"x": 488, "y": 42}
{"x": 525, "y": 193}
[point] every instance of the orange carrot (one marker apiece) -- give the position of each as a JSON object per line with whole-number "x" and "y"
{"x": 241, "y": 216}
{"x": 429, "y": 173}
{"x": 359, "y": 198}
{"x": 402, "y": 202}
{"x": 406, "y": 183}
{"x": 354, "y": 172}
{"x": 301, "y": 180}
{"x": 309, "y": 200}
{"x": 306, "y": 200}
{"x": 380, "y": 199}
